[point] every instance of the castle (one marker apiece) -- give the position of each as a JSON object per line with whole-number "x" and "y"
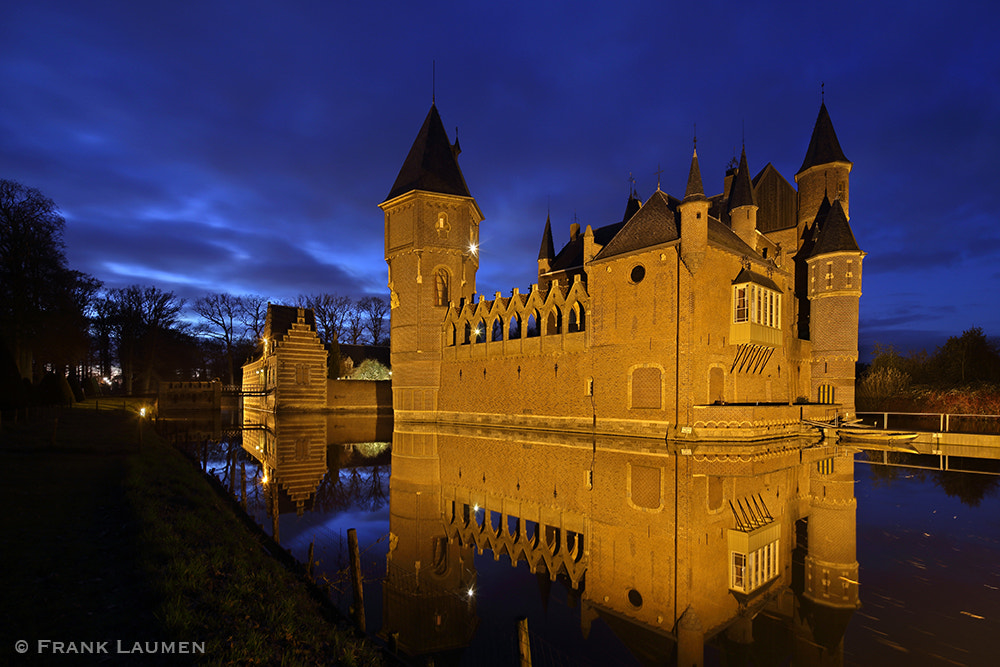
{"x": 727, "y": 317}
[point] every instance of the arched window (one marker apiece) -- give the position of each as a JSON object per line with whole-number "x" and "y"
{"x": 514, "y": 330}
{"x": 496, "y": 330}
{"x": 576, "y": 318}
{"x": 480, "y": 331}
{"x": 553, "y": 323}
{"x": 467, "y": 335}
{"x": 533, "y": 328}
{"x": 442, "y": 284}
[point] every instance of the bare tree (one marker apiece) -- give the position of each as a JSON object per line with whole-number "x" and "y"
{"x": 355, "y": 326}
{"x": 253, "y": 315}
{"x": 374, "y": 309}
{"x": 221, "y": 314}
{"x": 331, "y": 311}
{"x": 142, "y": 315}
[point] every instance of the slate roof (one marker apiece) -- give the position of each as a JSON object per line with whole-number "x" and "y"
{"x": 835, "y": 233}
{"x": 741, "y": 191}
{"x": 748, "y": 276}
{"x": 823, "y": 145}
{"x": 694, "y": 189}
{"x": 547, "y": 249}
{"x": 432, "y": 163}
{"x": 654, "y": 223}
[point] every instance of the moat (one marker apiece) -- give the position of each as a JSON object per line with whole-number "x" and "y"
{"x": 796, "y": 552}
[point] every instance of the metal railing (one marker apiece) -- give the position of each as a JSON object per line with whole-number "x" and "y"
{"x": 935, "y": 422}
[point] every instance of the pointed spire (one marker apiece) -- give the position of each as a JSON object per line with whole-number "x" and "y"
{"x": 741, "y": 193}
{"x": 835, "y": 233}
{"x": 694, "y": 189}
{"x": 824, "y": 147}
{"x": 431, "y": 164}
{"x": 547, "y": 249}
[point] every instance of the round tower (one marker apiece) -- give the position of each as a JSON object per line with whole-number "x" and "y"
{"x": 834, "y": 289}
{"x": 432, "y": 250}
{"x": 825, "y": 172}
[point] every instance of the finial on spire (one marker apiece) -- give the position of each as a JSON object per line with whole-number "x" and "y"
{"x": 822, "y": 92}
{"x": 696, "y": 138}
{"x": 631, "y": 184}
{"x": 433, "y": 81}
{"x": 658, "y": 172}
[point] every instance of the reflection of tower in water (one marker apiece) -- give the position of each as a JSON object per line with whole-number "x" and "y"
{"x": 428, "y": 594}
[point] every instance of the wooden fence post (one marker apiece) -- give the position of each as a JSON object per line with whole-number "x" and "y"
{"x": 359, "y": 593}
{"x": 523, "y": 642}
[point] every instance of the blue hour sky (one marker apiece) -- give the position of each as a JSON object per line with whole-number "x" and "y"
{"x": 244, "y": 146}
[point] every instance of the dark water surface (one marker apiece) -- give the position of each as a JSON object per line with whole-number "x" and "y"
{"x": 929, "y": 562}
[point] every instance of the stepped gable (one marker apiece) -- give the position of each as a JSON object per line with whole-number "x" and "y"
{"x": 835, "y": 233}
{"x": 653, "y": 224}
{"x": 824, "y": 147}
{"x": 432, "y": 163}
{"x": 281, "y": 318}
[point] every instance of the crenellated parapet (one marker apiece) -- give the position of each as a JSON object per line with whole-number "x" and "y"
{"x": 520, "y": 317}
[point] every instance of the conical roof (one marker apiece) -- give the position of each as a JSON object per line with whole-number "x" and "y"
{"x": 547, "y": 249}
{"x": 835, "y": 233}
{"x": 741, "y": 192}
{"x": 694, "y": 189}
{"x": 431, "y": 164}
{"x": 823, "y": 145}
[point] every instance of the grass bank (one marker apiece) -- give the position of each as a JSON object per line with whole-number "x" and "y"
{"x": 112, "y": 537}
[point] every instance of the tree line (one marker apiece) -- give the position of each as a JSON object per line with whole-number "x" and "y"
{"x": 960, "y": 377}
{"x": 63, "y": 332}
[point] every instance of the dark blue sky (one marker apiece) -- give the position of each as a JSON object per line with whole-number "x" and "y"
{"x": 243, "y": 147}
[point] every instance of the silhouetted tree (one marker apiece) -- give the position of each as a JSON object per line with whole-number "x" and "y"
{"x": 42, "y": 303}
{"x": 355, "y": 326}
{"x": 141, "y": 315}
{"x": 221, "y": 314}
{"x": 968, "y": 358}
{"x": 253, "y": 315}
{"x": 374, "y": 309}
{"x": 331, "y": 311}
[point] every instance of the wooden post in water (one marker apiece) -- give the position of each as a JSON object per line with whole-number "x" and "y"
{"x": 309, "y": 565}
{"x": 523, "y": 642}
{"x": 359, "y": 593}
{"x": 243, "y": 484}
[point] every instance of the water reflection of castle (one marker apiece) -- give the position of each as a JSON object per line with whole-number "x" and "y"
{"x": 676, "y": 548}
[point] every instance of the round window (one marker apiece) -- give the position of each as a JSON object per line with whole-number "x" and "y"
{"x": 638, "y": 273}
{"x": 635, "y": 598}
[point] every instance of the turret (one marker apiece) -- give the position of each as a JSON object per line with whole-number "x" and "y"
{"x": 432, "y": 251}
{"x": 546, "y": 253}
{"x": 694, "y": 219}
{"x": 741, "y": 207}
{"x": 825, "y": 171}
{"x": 834, "y": 279}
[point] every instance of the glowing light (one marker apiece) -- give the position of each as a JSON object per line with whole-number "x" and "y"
{"x": 475, "y": 508}
{"x": 476, "y": 332}
{"x": 142, "y": 412}
{"x": 471, "y": 592}
{"x": 264, "y": 480}
{"x": 473, "y": 248}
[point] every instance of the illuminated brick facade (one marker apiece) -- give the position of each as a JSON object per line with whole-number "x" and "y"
{"x": 731, "y": 316}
